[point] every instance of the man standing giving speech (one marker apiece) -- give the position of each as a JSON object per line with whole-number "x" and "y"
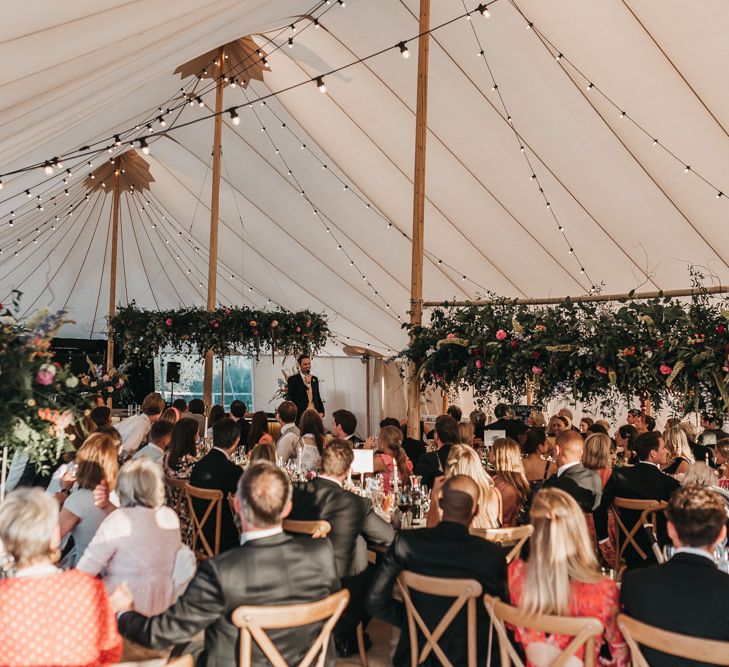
{"x": 303, "y": 388}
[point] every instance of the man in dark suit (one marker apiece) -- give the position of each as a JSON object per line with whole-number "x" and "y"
{"x": 270, "y": 568}
{"x": 448, "y": 550}
{"x": 354, "y": 526}
{"x": 688, "y": 594}
{"x": 303, "y": 388}
{"x": 505, "y": 422}
{"x": 215, "y": 470}
{"x": 572, "y": 477}
{"x": 238, "y": 411}
{"x": 432, "y": 464}
{"x": 344, "y": 424}
{"x": 643, "y": 481}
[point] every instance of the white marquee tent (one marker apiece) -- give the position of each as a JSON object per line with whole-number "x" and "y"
{"x": 78, "y": 72}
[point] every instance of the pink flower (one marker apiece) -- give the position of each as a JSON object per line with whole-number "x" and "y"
{"x": 252, "y": 323}
{"x": 500, "y": 334}
{"x": 479, "y": 363}
{"x": 44, "y": 377}
{"x": 720, "y": 329}
{"x": 665, "y": 370}
{"x": 110, "y": 390}
{"x": 451, "y": 335}
{"x": 536, "y": 370}
{"x": 274, "y": 324}
{"x": 215, "y": 325}
{"x": 168, "y": 321}
{"x": 298, "y": 329}
{"x": 601, "y": 369}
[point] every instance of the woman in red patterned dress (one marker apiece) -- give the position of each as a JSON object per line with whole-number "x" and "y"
{"x": 49, "y": 617}
{"x": 562, "y": 578}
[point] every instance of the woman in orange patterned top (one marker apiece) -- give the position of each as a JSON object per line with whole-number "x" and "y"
{"x": 562, "y": 578}
{"x": 50, "y": 617}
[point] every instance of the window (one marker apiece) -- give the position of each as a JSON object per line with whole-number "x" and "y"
{"x": 238, "y": 378}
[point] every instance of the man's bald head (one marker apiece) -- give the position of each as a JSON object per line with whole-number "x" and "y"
{"x": 459, "y": 499}
{"x": 570, "y": 446}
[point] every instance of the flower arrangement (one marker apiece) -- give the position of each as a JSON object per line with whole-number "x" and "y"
{"x": 40, "y": 397}
{"x": 142, "y": 333}
{"x": 102, "y": 382}
{"x": 668, "y": 350}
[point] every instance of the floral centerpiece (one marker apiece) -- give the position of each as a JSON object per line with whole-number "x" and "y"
{"x": 104, "y": 383}
{"x": 40, "y": 397}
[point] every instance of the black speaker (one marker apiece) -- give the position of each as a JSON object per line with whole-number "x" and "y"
{"x": 173, "y": 372}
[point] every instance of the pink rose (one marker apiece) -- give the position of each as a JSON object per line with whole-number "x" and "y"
{"x": 274, "y": 324}
{"x": 44, "y": 377}
{"x": 665, "y": 370}
{"x": 500, "y": 334}
{"x": 168, "y": 321}
{"x": 479, "y": 363}
{"x": 215, "y": 325}
{"x": 298, "y": 329}
{"x": 451, "y": 335}
{"x": 110, "y": 390}
{"x": 536, "y": 370}
{"x": 252, "y": 323}
{"x": 720, "y": 329}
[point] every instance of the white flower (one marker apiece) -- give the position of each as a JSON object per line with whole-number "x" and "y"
{"x": 49, "y": 368}
{"x": 72, "y": 382}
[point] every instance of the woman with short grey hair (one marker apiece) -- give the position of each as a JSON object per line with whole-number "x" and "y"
{"x": 139, "y": 542}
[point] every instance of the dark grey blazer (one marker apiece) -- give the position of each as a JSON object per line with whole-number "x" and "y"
{"x": 582, "y": 484}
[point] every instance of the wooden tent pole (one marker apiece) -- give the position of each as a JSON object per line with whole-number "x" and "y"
{"x": 416, "y": 278}
{"x": 366, "y": 360}
{"x": 214, "y": 217}
{"x": 112, "y": 274}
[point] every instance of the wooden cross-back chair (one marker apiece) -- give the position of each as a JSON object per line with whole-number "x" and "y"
{"x": 696, "y": 649}
{"x": 626, "y": 536}
{"x": 515, "y": 537}
{"x": 584, "y": 631}
{"x": 465, "y": 592}
{"x": 178, "y": 485}
{"x": 214, "y": 511}
{"x": 253, "y": 622}
{"x": 317, "y": 529}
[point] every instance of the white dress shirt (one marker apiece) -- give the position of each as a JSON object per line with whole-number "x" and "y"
{"x": 253, "y": 535}
{"x": 152, "y": 452}
{"x": 133, "y": 430}
{"x": 286, "y": 444}
{"x": 564, "y": 467}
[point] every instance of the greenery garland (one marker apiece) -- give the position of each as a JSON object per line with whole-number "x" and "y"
{"x": 143, "y": 333}
{"x": 673, "y": 352}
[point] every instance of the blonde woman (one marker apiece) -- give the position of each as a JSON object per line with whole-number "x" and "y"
{"x": 562, "y": 578}
{"x": 722, "y": 459}
{"x": 510, "y": 480}
{"x": 464, "y": 460}
{"x": 597, "y": 455}
{"x": 536, "y": 419}
{"x": 679, "y": 451}
{"x": 465, "y": 433}
{"x": 139, "y": 542}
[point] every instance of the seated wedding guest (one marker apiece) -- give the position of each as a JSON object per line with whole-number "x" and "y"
{"x": 624, "y": 439}
{"x": 572, "y": 477}
{"x": 699, "y": 474}
{"x": 391, "y": 459}
{"x": 217, "y": 412}
{"x": 138, "y": 543}
{"x": 643, "y": 481}
{"x": 238, "y": 411}
{"x": 680, "y": 456}
{"x": 414, "y": 447}
{"x": 134, "y": 429}
{"x": 478, "y": 420}
{"x": 722, "y": 458}
{"x": 312, "y": 439}
{"x": 446, "y": 550}
{"x": 354, "y": 526}
{"x": 264, "y": 451}
{"x": 196, "y": 410}
{"x": 463, "y": 460}
{"x": 96, "y": 463}
{"x": 455, "y": 412}
{"x": 702, "y": 451}
{"x": 561, "y": 547}
{"x": 687, "y": 594}
{"x": 505, "y": 422}
{"x": 270, "y": 568}
{"x": 159, "y": 440}
{"x": 215, "y": 470}
{"x": 585, "y": 424}
{"x": 170, "y": 415}
{"x": 183, "y": 449}
{"x": 344, "y": 424}
{"x": 180, "y": 404}
{"x": 597, "y": 428}
{"x": 49, "y": 617}
{"x": 258, "y": 431}
{"x": 465, "y": 433}
{"x": 100, "y": 416}
{"x": 510, "y": 480}
{"x": 433, "y": 464}
{"x": 536, "y": 419}
{"x": 557, "y": 424}
{"x": 286, "y": 445}
{"x": 604, "y": 423}
{"x": 537, "y": 467}
{"x": 597, "y": 456}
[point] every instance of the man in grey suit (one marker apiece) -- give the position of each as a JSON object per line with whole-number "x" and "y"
{"x": 572, "y": 477}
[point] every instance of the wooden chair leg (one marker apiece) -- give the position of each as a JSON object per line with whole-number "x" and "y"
{"x": 361, "y": 646}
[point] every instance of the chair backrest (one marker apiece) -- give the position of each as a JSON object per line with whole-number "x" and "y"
{"x": 626, "y": 536}
{"x": 466, "y": 591}
{"x": 254, "y": 621}
{"x": 516, "y": 536}
{"x": 179, "y": 485}
{"x": 696, "y": 649}
{"x": 198, "y": 523}
{"x": 316, "y": 529}
{"x": 583, "y": 630}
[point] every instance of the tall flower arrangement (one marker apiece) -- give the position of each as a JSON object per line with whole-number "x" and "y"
{"x": 40, "y": 397}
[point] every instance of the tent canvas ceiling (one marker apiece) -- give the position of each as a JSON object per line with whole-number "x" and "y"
{"x": 76, "y": 72}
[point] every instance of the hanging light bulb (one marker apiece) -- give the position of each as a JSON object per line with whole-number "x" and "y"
{"x": 1, "y": 185}
{"x": 320, "y": 84}
{"x": 291, "y": 42}
{"x": 162, "y": 121}
{"x": 200, "y": 102}
{"x": 117, "y": 140}
{"x": 48, "y": 168}
{"x": 27, "y": 194}
{"x": 484, "y": 11}
{"x": 234, "y": 117}
{"x": 143, "y": 145}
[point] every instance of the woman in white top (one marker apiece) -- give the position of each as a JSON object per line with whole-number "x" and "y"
{"x": 312, "y": 441}
{"x": 82, "y": 514}
{"x": 139, "y": 542}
